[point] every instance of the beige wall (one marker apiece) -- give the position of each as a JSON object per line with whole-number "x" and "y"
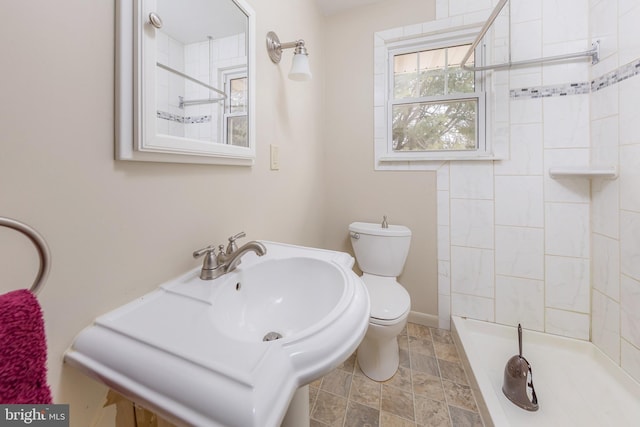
{"x": 355, "y": 192}
{"x": 118, "y": 229}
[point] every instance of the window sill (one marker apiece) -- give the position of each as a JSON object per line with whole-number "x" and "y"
{"x": 391, "y": 159}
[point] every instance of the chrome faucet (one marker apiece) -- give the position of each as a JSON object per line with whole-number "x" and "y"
{"x": 253, "y": 246}
{"x": 215, "y": 265}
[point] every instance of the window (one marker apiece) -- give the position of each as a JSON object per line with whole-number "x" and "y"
{"x": 434, "y": 104}
{"x": 428, "y": 106}
{"x": 235, "y": 123}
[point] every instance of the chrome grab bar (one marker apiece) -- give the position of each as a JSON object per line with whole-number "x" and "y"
{"x": 41, "y": 245}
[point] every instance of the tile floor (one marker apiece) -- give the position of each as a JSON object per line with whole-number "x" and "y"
{"x": 429, "y": 389}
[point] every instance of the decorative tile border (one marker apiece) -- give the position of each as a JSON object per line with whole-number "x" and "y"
{"x": 616, "y": 76}
{"x": 547, "y": 91}
{"x": 196, "y": 119}
{"x": 171, "y": 117}
{"x": 187, "y": 120}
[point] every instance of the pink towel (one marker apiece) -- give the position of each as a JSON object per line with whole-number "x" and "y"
{"x": 23, "y": 350}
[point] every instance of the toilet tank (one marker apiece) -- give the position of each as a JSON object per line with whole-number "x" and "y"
{"x": 380, "y": 251}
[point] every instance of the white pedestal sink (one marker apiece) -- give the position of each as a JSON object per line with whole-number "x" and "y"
{"x": 193, "y": 350}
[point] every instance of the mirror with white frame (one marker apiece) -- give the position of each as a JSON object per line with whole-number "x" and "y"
{"x": 185, "y": 81}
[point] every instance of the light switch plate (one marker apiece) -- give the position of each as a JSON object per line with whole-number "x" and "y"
{"x": 275, "y": 157}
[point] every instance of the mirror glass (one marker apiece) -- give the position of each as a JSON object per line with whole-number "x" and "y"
{"x": 193, "y": 82}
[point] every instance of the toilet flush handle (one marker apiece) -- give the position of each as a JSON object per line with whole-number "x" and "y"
{"x": 355, "y": 235}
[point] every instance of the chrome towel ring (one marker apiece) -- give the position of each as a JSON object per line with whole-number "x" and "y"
{"x": 41, "y": 245}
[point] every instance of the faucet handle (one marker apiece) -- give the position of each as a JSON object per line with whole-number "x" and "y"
{"x": 210, "y": 260}
{"x": 232, "y": 247}
{"x": 203, "y": 251}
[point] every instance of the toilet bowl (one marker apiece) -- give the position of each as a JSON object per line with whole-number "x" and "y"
{"x": 381, "y": 254}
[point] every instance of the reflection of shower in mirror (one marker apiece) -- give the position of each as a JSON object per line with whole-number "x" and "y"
{"x": 194, "y": 83}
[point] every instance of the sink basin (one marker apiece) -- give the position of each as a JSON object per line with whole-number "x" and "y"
{"x": 283, "y": 297}
{"x": 194, "y": 351}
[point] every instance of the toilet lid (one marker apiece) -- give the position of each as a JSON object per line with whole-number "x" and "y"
{"x": 389, "y": 300}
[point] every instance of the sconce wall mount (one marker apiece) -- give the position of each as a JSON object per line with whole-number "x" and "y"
{"x": 300, "y": 69}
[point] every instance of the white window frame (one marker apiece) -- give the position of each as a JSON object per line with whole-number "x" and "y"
{"x": 388, "y": 45}
{"x": 226, "y": 75}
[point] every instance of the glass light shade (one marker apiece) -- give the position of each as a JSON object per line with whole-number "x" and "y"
{"x": 300, "y": 70}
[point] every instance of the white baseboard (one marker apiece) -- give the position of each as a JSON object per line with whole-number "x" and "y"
{"x": 423, "y": 319}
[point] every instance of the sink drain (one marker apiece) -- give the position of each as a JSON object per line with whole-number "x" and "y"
{"x": 272, "y": 336}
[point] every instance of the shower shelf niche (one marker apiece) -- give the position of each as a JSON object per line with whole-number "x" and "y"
{"x": 607, "y": 172}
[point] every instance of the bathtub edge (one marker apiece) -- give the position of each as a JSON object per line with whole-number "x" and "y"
{"x": 471, "y": 376}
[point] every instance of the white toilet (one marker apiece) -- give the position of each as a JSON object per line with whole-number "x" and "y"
{"x": 381, "y": 254}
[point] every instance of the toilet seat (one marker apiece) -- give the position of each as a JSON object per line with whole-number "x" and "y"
{"x": 390, "y": 301}
{"x": 380, "y": 322}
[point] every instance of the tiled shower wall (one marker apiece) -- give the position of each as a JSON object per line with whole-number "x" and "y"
{"x": 170, "y": 86}
{"x": 516, "y": 246}
{"x": 615, "y": 208}
{"x": 203, "y": 61}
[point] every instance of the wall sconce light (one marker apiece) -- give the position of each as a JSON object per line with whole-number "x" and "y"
{"x": 300, "y": 70}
